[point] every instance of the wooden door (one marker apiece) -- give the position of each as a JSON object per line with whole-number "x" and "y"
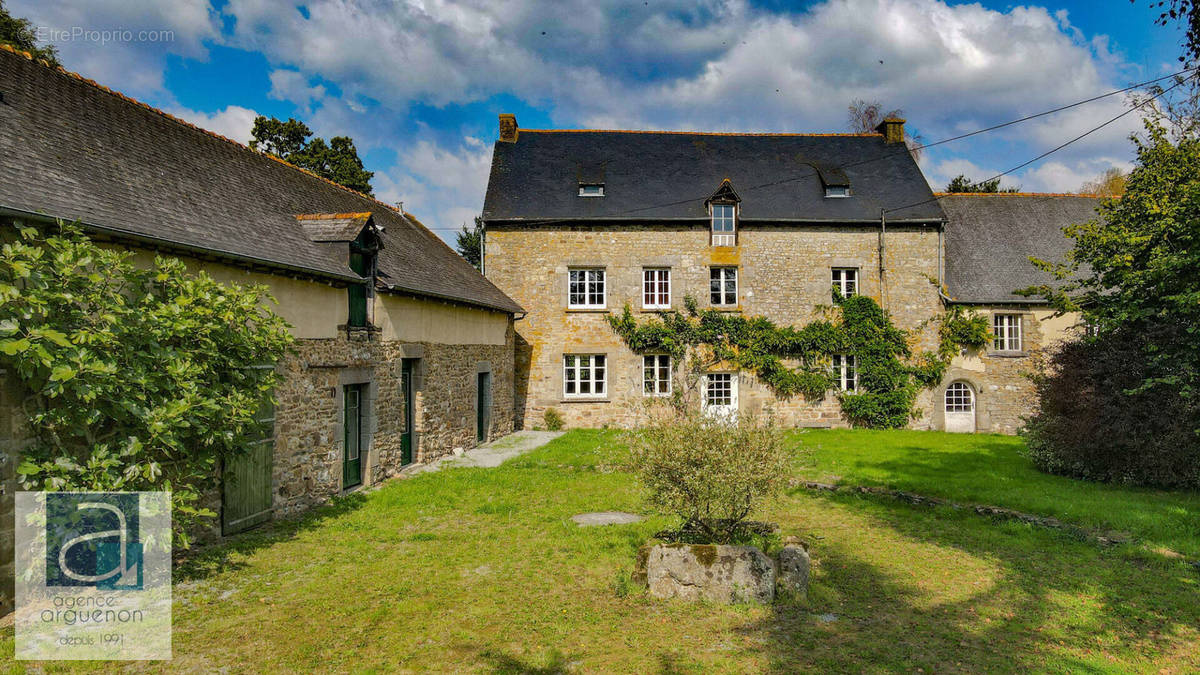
{"x": 721, "y": 396}
{"x": 406, "y": 391}
{"x": 354, "y": 446}
{"x": 483, "y": 406}
{"x": 960, "y": 408}
{"x": 246, "y": 480}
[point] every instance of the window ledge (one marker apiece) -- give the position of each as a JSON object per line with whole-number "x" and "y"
{"x": 725, "y": 308}
{"x": 588, "y": 310}
{"x": 1008, "y": 354}
{"x": 656, "y": 310}
{"x": 586, "y": 399}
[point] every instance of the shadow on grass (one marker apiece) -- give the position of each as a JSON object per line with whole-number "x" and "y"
{"x": 210, "y": 559}
{"x": 1027, "y": 619}
{"x": 500, "y": 662}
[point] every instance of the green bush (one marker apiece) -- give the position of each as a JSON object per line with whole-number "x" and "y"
{"x": 552, "y": 419}
{"x": 136, "y": 378}
{"x": 1096, "y": 419}
{"x": 712, "y": 474}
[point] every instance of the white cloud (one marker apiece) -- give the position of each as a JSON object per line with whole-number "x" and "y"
{"x": 122, "y": 43}
{"x": 292, "y": 85}
{"x": 233, "y": 122}
{"x": 441, "y": 186}
{"x": 1058, "y": 176}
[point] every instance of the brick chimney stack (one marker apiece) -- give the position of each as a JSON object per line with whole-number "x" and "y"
{"x": 892, "y": 129}
{"x": 508, "y": 128}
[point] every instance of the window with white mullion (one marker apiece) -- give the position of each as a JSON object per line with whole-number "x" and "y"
{"x": 584, "y": 375}
{"x": 845, "y": 281}
{"x": 1006, "y": 332}
{"x": 656, "y": 288}
{"x": 723, "y": 291}
{"x": 586, "y": 289}
{"x": 845, "y": 369}
{"x": 724, "y": 224}
{"x": 656, "y": 375}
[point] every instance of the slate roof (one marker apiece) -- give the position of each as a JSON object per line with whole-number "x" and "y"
{"x": 333, "y": 226}
{"x": 658, "y": 175}
{"x": 72, "y": 149}
{"x": 990, "y": 238}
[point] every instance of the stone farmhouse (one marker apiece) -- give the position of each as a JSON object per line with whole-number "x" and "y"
{"x": 404, "y": 351}
{"x": 578, "y": 224}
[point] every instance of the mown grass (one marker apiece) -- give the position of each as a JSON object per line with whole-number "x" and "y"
{"x": 481, "y": 570}
{"x": 990, "y": 469}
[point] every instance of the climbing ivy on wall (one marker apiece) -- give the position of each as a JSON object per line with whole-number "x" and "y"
{"x": 889, "y": 376}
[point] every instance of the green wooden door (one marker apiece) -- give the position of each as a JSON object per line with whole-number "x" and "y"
{"x": 406, "y": 390}
{"x": 352, "y": 456}
{"x": 246, "y": 480}
{"x": 483, "y": 406}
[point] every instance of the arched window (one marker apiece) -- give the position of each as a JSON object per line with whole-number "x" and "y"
{"x": 960, "y": 398}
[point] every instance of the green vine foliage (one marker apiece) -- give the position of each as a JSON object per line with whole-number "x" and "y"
{"x": 135, "y": 378}
{"x": 889, "y": 375}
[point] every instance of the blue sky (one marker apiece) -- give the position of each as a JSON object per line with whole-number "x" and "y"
{"x": 419, "y": 84}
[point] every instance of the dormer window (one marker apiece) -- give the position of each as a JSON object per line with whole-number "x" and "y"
{"x": 837, "y": 190}
{"x": 591, "y": 189}
{"x": 724, "y": 224}
{"x": 723, "y": 209}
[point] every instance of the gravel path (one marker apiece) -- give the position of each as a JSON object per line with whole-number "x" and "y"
{"x": 495, "y": 453}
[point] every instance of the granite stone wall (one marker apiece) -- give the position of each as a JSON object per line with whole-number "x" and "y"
{"x": 783, "y": 274}
{"x": 14, "y": 436}
{"x": 309, "y": 434}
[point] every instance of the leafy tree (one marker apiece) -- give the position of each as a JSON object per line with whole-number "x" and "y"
{"x": 1111, "y": 183}
{"x": 136, "y": 378}
{"x": 1138, "y": 287}
{"x": 864, "y": 117}
{"x": 961, "y": 184}
{"x": 470, "y": 244}
{"x": 1187, "y": 13}
{"x": 291, "y": 141}
{"x": 19, "y": 33}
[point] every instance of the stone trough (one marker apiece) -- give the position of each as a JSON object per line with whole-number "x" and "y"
{"x": 725, "y": 574}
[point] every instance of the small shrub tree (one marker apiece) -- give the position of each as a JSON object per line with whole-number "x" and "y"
{"x": 136, "y": 378}
{"x": 713, "y": 474}
{"x": 552, "y": 419}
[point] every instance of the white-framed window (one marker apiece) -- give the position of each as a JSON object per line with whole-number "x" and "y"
{"x": 585, "y": 289}
{"x": 837, "y": 191}
{"x": 656, "y": 288}
{"x": 845, "y": 281}
{"x": 656, "y": 375}
{"x": 591, "y": 189}
{"x": 724, "y": 224}
{"x": 723, "y": 286}
{"x": 584, "y": 375}
{"x": 845, "y": 369}
{"x": 1006, "y": 332}
{"x": 719, "y": 389}
{"x": 959, "y": 398}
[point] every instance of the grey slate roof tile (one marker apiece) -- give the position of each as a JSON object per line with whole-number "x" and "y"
{"x": 668, "y": 175}
{"x": 72, "y": 149}
{"x": 990, "y": 238}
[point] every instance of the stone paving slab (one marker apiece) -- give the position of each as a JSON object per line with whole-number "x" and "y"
{"x": 605, "y": 518}
{"x": 492, "y": 454}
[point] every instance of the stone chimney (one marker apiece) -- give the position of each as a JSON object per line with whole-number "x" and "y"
{"x": 508, "y": 128}
{"x": 892, "y": 129}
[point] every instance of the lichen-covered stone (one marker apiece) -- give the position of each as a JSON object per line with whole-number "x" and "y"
{"x": 793, "y": 566}
{"x": 725, "y": 574}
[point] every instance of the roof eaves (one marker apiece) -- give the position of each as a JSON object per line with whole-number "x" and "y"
{"x": 181, "y": 245}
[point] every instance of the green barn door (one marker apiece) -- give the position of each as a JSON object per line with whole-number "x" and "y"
{"x": 483, "y": 406}
{"x": 406, "y": 390}
{"x": 352, "y": 457}
{"x": 246, "y": 481}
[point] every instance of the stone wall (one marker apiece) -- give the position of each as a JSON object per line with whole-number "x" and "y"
{"x": 14, "y": 435}
{"x": 309, "y": 435}
{"x": 783, "y": 274}
{"x": 1004, "y": 393}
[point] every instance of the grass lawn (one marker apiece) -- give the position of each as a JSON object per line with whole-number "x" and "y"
{"x": 482, "y": 570}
